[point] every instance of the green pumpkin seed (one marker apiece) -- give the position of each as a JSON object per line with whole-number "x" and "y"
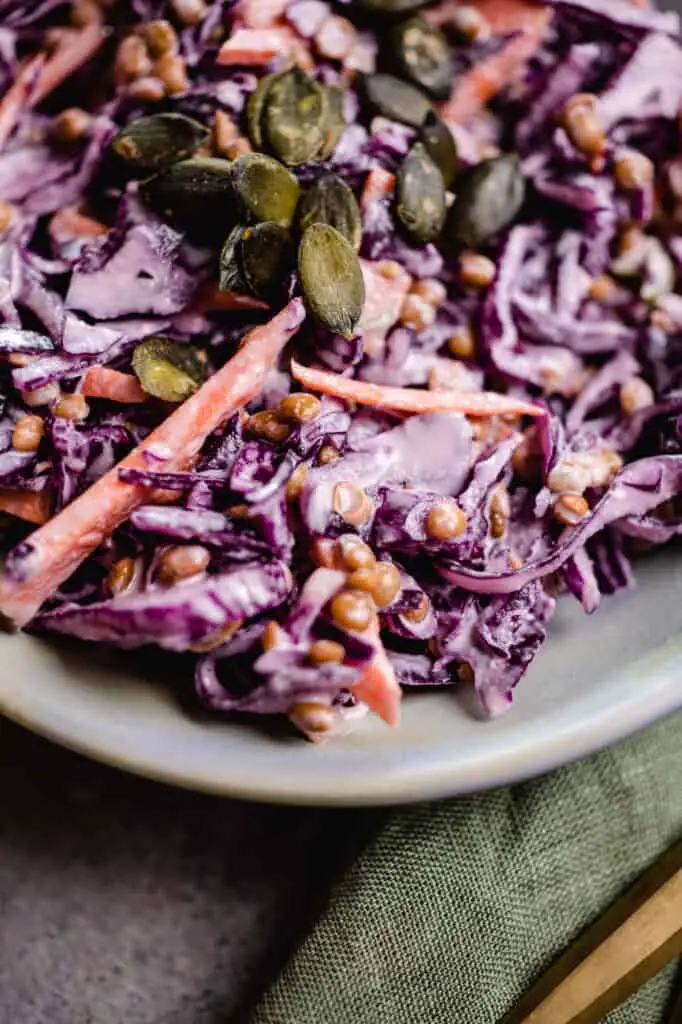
{"x": 153, "y": 143}
{"x": 230, "y": 273}
{"x": 424, "y": 56}
{"x": 489, "y": 196}
{"x": 167, "y": 369}
{"x": 420, "y": 195}
{"x": 392, "y": 8}
{"x": 267, "y": 259}
{"x": 266, "y": 189}
{"x": 255, "y": 111}
{"x": 295, "y": 117}
{"x": 439, "y": 143}
{"x": 330, "y": 201}
{"x": 331, "y": 277}
{"x": 195, "y": 194}
{"x": 336, "y": 121}
{"x": 396, "y": 99}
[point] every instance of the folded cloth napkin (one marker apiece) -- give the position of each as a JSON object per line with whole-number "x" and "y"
{"x": 454, "y": 908}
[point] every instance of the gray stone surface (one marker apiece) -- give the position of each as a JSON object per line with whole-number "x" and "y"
{"x": 126, "y": 902}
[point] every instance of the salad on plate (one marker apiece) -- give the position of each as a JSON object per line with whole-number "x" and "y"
{"x": 338, "y": 340}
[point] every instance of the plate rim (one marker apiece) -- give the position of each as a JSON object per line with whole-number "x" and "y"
{"x": 446, "y": 778}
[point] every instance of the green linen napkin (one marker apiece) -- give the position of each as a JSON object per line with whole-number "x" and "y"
{"x": 453, "y": 909}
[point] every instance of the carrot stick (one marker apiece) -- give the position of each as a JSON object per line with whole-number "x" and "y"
{"x": 411, "y": 400}
{"x": 103, "y": 382}
{"x": 76, "y": 50}
{"x": 59, "y": 547}
{"x": 378, "y": 687}
{"x": 474, "y": 89}
{"x": 212, "y": 299}
{"x": 33, "y": 506}
{"x": 18, "y": 95}
{"x": 379, "y": 183}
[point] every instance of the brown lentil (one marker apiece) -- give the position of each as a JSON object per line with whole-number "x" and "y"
{"x": 417, "y": 313}
{"x": 355, "y": 554}
{"x": 419, "y": 613}
{"x": 352, "y": 609}
{"x": 570, "y": 508}
{"x": 352, "y": 503}
{"x": 268, "y": 426}
{"x": 120, "y": 575}
{"x": 469, "y": 24}
{"x": 161, "y": 37}
{"x": 390, "y": 269}
{"x": 71, "y": 125}
{"x": 462, "y": 344}
{"x": 582, "y": 126}
{"x": 328, "y": 453}
{"x": 41, "y": 396}
{"x": 132, "y": 60}
{"x": 218, "y": 638}
{"x": 189, "y": 12}
{"x": 312, "y": 717}
{"x": 448, "y": 376}
{"x": 296, "y": 482}
{"x": 326, "y": 652}
{"x": 465, "y": 672}
{"x": 28, "y": 433}
{"x": 499, "y": 512}
{"x": 6, "y": 216}
{"x": 445, "y": 521}
{"x": 336, "y": 37}
{"x": 270, "y": 638}
{"x": 362, "y": 579}
{"x": 476, "y": 270}
{"x": 431, "y": 290}
{"x": 72, "y": 407}
{"x": 635, "y": 394}
{"x": 632, "y": 169}
{"x": 602, "y": 288}
{"x": 147, "y": 89}
{"x": 387, "y": 584}
{"x": 239, "y": 511}
{"x": 172, "y": 71}
{"x": 182, "y": 562}
{"x": 299, "y": 408}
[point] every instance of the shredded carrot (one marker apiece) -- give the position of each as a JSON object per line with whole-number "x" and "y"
{"x": 379, "y": 183}
{"x": 103, "y": 382}
{"x": 261, "y": 13}
{"x": 256, "y": 47}
{"x": 60, "y": 546}
{"x": 19, "y": 94}
{"x": 70, "y": 223}
{"x": 378, "y": 687}
{"x": 473, "y": 90}
{"x": 33, "y": 506}
{"x": 76, "y": 50}
{"x": 211, "y": 299}
{"x": 411, "y": 400}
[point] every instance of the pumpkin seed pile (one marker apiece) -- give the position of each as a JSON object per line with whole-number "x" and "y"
{"x": 269, "y": 225}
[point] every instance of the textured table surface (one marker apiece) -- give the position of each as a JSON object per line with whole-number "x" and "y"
{"x": 125, "y": 901}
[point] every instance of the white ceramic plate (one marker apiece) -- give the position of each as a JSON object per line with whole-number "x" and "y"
{"x": 597, "y": 680}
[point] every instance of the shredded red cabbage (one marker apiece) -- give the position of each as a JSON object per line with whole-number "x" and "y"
{"x": 302, "y": 555}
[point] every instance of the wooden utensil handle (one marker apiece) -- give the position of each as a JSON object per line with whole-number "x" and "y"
{"x": 636, "y": 937}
